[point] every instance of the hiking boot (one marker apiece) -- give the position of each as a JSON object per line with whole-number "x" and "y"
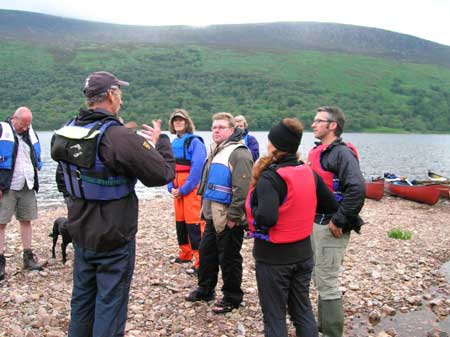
{"x": 196, "y": 296}
{"x": 223, "y": 306}
{"x": 2, "y": 266}
{"x": 29, "y": 261}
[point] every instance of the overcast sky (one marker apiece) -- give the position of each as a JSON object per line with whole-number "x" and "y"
{"x": 427, "y": 19}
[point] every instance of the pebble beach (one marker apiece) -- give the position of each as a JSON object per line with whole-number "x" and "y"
{"x": 391, "y": 287}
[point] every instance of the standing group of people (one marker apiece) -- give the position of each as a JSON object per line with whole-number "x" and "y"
{"x": 300, "y": 215}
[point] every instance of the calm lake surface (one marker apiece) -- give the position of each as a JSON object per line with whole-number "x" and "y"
{"x": 409, "y": 155}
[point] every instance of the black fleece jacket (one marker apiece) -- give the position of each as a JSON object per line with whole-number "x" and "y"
{"x": 340, "y": 159}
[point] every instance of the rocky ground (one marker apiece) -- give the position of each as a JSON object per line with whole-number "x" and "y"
{"x": 384, "y": 280}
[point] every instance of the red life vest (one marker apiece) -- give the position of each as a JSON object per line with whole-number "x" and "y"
{"x": 296, "y": 213}
{"x": 330, "y": 179}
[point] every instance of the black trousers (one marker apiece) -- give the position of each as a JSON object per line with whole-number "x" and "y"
{"x": 221, "y": 250}
{"x": 282, "y": 287}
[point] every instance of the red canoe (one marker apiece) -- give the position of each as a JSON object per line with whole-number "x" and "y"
{"x": 427, "y": 194}
{"x": 441, "y": 183}
{"x": 375, "y": 189}
{"x": 444, "y": 190}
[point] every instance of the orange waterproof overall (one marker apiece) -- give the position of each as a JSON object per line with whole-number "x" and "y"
{"x": 187, "y": 217}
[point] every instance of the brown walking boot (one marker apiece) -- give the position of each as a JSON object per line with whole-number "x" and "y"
{"x": 29, "y": 261}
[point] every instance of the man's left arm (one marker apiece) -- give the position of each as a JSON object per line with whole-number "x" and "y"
{"x": 241, "y": 170}
{"x": 352, "y": 186}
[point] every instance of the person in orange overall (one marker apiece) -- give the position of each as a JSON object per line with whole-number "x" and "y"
{"x": 190, "y": 154}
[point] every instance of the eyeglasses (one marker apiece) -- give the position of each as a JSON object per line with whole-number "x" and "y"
{"x": 317, "y": 121}
{"x": 220, "y": 127}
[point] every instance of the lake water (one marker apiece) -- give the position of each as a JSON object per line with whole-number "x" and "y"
{"x": 409, "y": 155}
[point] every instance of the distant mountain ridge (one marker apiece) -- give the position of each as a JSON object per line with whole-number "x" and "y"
{"x": 42, "y": 28}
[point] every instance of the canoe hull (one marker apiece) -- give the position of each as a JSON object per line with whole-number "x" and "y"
{"x": 444, "y": 190}
{"x": 375, "y": 189}
{"x": 421, "y": 193}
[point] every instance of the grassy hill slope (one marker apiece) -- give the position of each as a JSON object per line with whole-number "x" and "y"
{"x": 375, "y": 93}
{"x": 263, "y": 71}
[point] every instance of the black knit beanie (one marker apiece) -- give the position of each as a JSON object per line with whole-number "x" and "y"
{"x": 284, "y": 138}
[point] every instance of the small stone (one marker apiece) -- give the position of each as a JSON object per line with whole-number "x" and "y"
{"x": 383, "y": 334}
{"x": 414, "y": 300}
{"x": 427, "y": 296}
{"x": 435, "y": 302}
{"x": 376, "y": 275}
{"x": 437, "y": 333}
{"x": 391, "y": 332}
{"x": 15, "y": 331}
{"x": 374, "y": 317}
{"x": 19, "y": 299}
{"x": 354, "y": 286}
{"x": 389, "y": 311}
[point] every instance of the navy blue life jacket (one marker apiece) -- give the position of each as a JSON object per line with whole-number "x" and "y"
{"x": 97, "y": 182}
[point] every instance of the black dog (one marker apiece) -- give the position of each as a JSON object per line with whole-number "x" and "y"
{"x": 60, "y": 228}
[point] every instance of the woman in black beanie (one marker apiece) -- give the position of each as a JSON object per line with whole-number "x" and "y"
{"x": 281, "y": 204}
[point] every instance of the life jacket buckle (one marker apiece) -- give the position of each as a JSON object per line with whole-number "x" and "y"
{"x": 77, "y": 175}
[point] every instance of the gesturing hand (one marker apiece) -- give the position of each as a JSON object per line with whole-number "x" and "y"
{"x": 151, "y": 133}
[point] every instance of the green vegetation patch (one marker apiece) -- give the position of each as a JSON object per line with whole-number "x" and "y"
{"x": 378, "y": 95}
{"x": 399, "y": 234}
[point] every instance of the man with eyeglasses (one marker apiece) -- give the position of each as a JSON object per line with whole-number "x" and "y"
{"x": 101, "y": 161}
{"x": 337, "y": 163}
{"x": 224, "y": 186}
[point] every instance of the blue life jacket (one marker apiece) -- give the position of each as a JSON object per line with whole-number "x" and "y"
{"x": 8, "y": 144}
{"x": 98, "y": 182}
{"x": 219, "y": 185}
{"x": 180, "y": 146}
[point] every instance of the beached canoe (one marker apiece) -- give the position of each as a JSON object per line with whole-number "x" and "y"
{"x": 427, "y": 194}
{"x": 437, "y": 181}
{"x": 375, "y": 188}
{"x": 442, "y": 188}
{"x": 437, "y": 177}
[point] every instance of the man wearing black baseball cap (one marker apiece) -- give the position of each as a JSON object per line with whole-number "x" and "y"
{"x": 103, "y": 206}
{"x": 100, "y": 82}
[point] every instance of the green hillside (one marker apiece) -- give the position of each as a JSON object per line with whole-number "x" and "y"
{"x": 377, "y": 94}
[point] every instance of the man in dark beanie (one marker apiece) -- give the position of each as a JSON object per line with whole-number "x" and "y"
{"x": 100, "y": 176}
{"x": 283, "y": 199}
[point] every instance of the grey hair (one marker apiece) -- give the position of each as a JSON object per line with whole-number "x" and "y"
{"x": 100, "y": 98}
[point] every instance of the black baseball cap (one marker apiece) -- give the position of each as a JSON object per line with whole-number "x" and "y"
{"x": 100, "y": 82}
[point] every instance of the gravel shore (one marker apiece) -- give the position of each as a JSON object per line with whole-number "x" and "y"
{"x": 386, "y": 281}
